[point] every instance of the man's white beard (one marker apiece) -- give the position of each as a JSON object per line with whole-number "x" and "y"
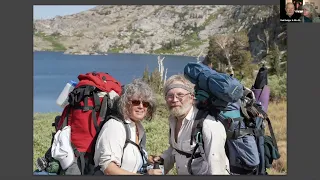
{"x": 180, "y": 111}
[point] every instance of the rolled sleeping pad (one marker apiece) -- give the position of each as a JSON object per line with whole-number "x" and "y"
{"x": 262, "y": 96}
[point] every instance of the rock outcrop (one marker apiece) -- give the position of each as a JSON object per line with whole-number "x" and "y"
{"x": 180, "y": 30}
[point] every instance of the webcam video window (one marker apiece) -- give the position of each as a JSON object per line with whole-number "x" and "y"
{"x": 304, "y": 11}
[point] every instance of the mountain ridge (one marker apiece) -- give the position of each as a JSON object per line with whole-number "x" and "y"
{"x": 148, "y": 29}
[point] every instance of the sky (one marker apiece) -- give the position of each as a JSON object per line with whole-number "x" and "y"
{"x": 50, "y": 11}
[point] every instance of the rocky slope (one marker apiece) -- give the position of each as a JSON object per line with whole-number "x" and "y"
{"x": 180, "y": 30}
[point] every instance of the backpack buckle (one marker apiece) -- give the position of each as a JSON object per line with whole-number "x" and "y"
{"x": 199, "y": 138}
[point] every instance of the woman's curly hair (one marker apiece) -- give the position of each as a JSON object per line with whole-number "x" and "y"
{"x": 138, "y": 88}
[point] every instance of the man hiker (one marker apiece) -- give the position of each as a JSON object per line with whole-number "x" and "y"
{"x": 210, "y": 158}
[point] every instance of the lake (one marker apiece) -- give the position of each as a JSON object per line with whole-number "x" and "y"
{"x": 52, "y": 70}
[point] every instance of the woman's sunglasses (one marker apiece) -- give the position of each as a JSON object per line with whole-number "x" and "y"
{"x": 137, "y": 103}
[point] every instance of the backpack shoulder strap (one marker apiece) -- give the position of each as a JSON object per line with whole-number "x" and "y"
{"x": 82, "y": 93}
{"x": 104, "y": 106}
{"x": 103, "y": 112}
{"x": 198, "y": 123}
{"x": 127, "y": 130}
{"x": 95, "y": 109}
{"x": 128, "y": 140}
{"x": 126, "y": 126}
{"x": 255, "y": 110}
{"x": 128, "y": 134}
{"x": 266, "y": 117}
{"x": 196, "y": 133}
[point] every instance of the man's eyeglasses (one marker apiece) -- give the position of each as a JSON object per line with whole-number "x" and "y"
{"x": 137, "y": 103}
{"x": 178, "y": 95}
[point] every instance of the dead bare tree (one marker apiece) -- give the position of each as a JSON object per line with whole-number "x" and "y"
{"x": 224, "y": 41}
{"x": 198, "y": 58}
{"x": 165, "y": 76}
{"x": 161, "y": 67}
{"x": 265, "y": 41}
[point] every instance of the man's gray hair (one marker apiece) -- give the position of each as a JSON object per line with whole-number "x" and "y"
{"x": 178, "y": 78}
{"x": 138, "y": 88}
{"x": 288, "y": 4}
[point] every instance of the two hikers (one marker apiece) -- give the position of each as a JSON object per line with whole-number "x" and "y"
{"x": 136, "y": 103}
{"x": 120, "y": 139}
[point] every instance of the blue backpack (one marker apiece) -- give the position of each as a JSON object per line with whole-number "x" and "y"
{"x": 224, "y": 98}
{"x": 222, "y": 88}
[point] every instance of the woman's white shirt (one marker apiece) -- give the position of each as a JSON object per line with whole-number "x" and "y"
{"x": 110, "y": 144}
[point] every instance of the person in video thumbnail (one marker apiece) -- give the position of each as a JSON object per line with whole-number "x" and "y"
{"x": 290, "y": 14}
{"x": 309, "y": 14}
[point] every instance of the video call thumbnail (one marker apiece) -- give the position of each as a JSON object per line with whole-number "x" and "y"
{"x": 304, "y": 11}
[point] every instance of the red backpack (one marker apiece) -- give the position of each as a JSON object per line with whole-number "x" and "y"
{"x": 89, "y": 105}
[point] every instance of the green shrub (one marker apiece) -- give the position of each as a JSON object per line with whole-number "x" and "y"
{"x": 278, "y": 87}
{"x": 154, "y": 80}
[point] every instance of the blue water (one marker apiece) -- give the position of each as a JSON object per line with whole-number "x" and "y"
{"x": 52, "y": 70}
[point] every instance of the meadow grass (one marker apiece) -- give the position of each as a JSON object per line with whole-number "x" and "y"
{"x": 157, "y": 133}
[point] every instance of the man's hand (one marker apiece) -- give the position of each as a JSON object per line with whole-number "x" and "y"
{"x": 153, "y": 158}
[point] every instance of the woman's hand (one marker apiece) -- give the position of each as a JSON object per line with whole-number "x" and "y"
{"x": 154, "y": 172}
